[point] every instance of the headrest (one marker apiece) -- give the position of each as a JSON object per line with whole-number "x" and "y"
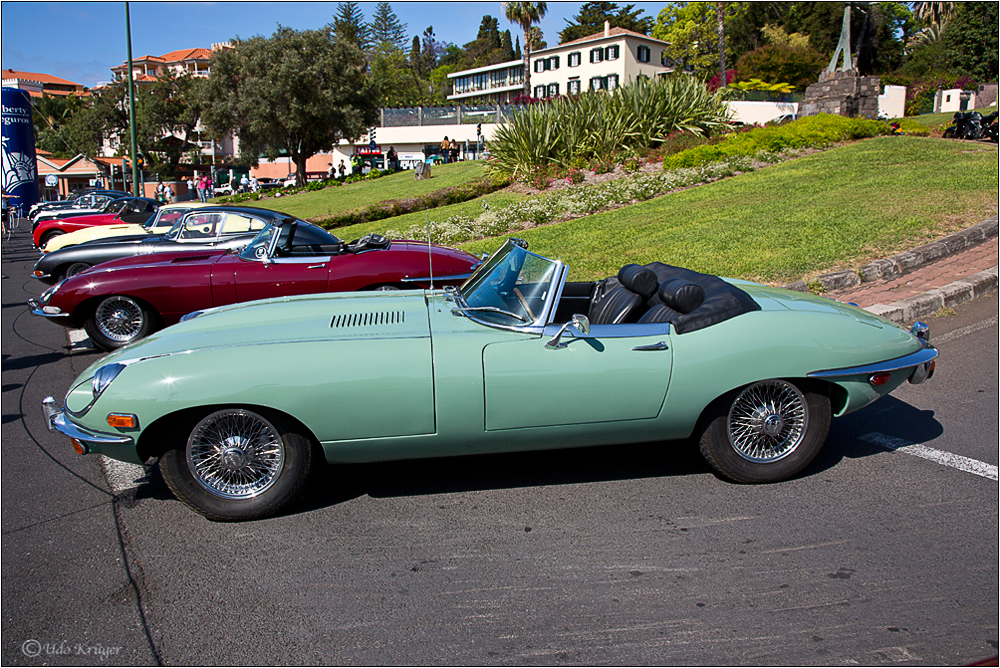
{"x": 681, "y": 295}
{"x": 639, "y": 280}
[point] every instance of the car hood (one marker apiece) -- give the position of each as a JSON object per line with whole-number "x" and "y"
{"x": 110, "y": 232}
{"x": 287, "y": 320}
{"x": 204, "y": 256}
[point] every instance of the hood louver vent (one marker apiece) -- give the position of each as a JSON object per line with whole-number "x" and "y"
{"x": 190, "y": 258}
{"x": 367, "y": 319}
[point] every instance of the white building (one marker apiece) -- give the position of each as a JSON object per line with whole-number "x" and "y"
{"x": 602, "y": 61}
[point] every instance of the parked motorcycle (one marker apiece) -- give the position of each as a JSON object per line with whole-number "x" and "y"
{"x": 990, "y": 127}
{"x": 965, "y": 125}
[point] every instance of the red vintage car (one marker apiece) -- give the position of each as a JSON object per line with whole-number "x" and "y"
{"x": 121, "y": 301}
{"x": 127, "y": 210}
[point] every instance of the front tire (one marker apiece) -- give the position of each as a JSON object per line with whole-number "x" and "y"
{"x": 765, "y": 432}
{"x": 237, "y": 465}
{"x": 49, "y": 236}
{"x": 75, "y": 268}
{"x": 118, "y": 321}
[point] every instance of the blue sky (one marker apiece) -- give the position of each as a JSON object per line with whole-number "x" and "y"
{"x": 81, "y": 41}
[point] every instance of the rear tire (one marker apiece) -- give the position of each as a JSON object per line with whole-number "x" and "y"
{"x": 236, "y": 464}
{"x": 765, "y": 432}
{"x": 120, "y": 320}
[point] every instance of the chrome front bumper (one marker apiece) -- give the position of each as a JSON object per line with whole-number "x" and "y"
{"x": 39, "y": 310}
{"x": 87, "y": 440}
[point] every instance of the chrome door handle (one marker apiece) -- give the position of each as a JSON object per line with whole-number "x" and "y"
{"x": 662, "y": 345}
{"x": 316, "y": 266}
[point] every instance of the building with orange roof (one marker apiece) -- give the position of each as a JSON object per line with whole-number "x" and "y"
{"x": 194, "y": 62}
{"x": 39, "y": 85}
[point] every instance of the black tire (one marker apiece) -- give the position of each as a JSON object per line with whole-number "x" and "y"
{"x": 949, "y": 133}
{"x": 120, "y": 320}
{"x": 765, "y": 432}
{"x": 235, "y": 464}
{"x": 49, "y": 236}
{"x": 75, "y": 268}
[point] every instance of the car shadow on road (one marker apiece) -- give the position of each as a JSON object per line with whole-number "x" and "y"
{"x": 333, "y": 485}
{"x": 890, "y": 418}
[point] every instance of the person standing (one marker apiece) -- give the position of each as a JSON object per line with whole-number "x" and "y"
{"x": 244, "y": 183}
{"x": 445, "y": 149}
{"x": 342, "y": 168}
{"x": 192, "y": 193}
{"x": 393, "y": 159}
{"x": 168, "y": 194}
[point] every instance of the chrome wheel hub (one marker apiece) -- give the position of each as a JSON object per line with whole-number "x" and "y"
{"x": 119, "y": 318}
{"x": 768, "y": 421}
{"x": 235, "y": 454}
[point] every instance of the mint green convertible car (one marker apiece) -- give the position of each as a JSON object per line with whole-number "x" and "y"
{"x": 240, "y": 402}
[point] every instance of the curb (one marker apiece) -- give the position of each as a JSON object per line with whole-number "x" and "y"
{"x": 911, "y": 308}
{"x": 918, "y": 306}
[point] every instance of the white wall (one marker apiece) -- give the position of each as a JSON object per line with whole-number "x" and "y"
{"x": 892, "y": 101}
{"x": 759, "y": 113}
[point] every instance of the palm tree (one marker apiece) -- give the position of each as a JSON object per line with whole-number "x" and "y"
{"x": 933, "y": 13}
{"x": 525, "y": 14}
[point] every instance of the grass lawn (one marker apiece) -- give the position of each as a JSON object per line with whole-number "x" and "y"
{"x": 354, "y": 195}
{"x": 830, "y": 210}
{"x": 401, "y": 223}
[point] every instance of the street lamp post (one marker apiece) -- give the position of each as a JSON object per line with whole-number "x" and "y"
{"x": 131, "y": 104}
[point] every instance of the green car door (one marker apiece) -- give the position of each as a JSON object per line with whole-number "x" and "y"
{"x": 616, "y": 373}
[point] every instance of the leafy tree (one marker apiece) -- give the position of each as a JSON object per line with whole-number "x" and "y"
{"x": 592, "y": 16}
{"x": 507, "y": 47}
{"x": 170, "y": 106}
{"x": 61, "y": 123}
{"x": 349, "y": 25}
{"x": 300, "y": 92}
{"x": 971, "y": 40}
{"x": 386, "y": 27}
{"x": 526, "y": 15}
{"x": 397, "y": 84}
{"x": 799, "y": 66}
{"x": 691, "y": 31}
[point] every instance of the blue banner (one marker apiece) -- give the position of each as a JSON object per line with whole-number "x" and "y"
{"x": 20, "y": 171}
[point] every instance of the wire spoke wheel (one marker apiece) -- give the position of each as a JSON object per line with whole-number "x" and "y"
{"x": 120, "y": 318}
{"x": 768, "y": 421}
{"x": 235, "y": 454}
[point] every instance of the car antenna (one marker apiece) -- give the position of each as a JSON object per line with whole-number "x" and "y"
{"x": 430, "y": 257}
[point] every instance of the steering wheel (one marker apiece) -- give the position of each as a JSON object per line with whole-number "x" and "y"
{"x": 524, "y": 303}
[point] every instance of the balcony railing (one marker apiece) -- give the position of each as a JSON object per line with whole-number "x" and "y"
{"x": 457, "y": 115}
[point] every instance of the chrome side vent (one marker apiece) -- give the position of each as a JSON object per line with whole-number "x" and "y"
{"x": 367, "y": 319}
{"x": 189, "y": 258}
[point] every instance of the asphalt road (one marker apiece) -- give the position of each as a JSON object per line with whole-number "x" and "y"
{"x": 883, "y": 552}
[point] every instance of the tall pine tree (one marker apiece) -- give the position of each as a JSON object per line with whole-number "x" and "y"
{"x": 386, "y": 27}
{"x": 349, "y": 25}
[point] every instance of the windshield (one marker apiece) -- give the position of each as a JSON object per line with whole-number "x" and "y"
{"x": 511, "y": 287}
{"x": 165, "y": 218}
{"x": 116, "y": 205}
{"x": 261, "y": 244}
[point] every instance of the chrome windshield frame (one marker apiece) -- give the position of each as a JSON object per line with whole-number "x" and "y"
{"x": 536, "y": 326}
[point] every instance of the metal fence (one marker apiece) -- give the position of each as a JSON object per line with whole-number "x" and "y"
{"x": 457, "y": 115}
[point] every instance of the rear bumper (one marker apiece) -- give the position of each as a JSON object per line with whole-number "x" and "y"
{"x": 921, "y": 362}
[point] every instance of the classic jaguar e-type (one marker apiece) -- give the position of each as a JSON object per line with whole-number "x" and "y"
{"x": 128, "y": 210}
{"x": 161, "y": 223}
{"x": 240, "y": 402}
{"x": 224, "y": 227}
{"x": 122, "y": 301}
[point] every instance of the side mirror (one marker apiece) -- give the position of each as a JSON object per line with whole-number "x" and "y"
{"x": 582, "y": 324}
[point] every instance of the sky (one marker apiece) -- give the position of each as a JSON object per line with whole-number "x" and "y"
{"x": 82, "y": 41}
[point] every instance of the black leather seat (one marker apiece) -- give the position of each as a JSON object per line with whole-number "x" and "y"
{"x": 612, "y": 303}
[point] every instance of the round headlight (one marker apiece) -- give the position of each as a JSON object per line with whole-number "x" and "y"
{"x": 104, "y": 376}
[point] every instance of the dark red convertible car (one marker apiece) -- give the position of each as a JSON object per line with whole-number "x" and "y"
{"x": 122, "y": 210}
{"x": 124, "y": 300}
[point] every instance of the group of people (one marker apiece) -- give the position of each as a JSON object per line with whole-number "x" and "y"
{"x": 164, "y": 193}
{"x": 449, "y": 150}
{"x": 202, "y": 186}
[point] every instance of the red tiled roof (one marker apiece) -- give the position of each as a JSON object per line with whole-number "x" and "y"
{"x": 187, "y": 54}
{"x": 36, "y": 76}
{"x": 614, "y": 32}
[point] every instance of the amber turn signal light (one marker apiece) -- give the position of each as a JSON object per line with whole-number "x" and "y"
{"x": 122, "y": 420}
{"x": 78, "y": 446}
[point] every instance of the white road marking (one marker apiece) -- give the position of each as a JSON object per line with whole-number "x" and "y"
{"x": 962, "y": 331}
{"x": 966, "y": 464}
{"x": 78, "y": 339}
